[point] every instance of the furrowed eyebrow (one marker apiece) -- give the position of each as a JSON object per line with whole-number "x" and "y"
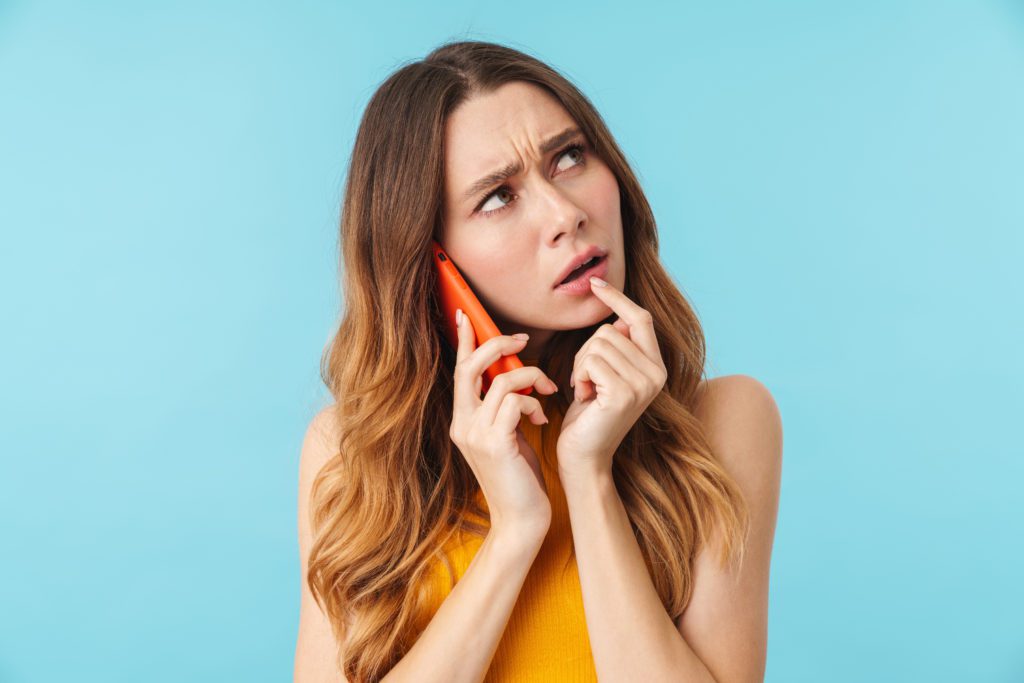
{"x": 511, "y": 169}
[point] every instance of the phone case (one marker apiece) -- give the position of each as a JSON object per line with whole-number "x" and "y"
{"x": 454, "y": 293}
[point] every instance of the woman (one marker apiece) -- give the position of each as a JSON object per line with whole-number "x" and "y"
{"x": 595, "y": 527}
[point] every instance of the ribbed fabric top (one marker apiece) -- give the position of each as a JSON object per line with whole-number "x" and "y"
{"x": 546, "y": 635}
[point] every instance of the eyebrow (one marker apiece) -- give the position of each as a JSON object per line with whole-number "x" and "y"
{"x": 511, "y": 169}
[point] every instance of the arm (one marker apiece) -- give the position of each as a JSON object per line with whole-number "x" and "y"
{"x": 631, "y": 634}
{"x": 726, "y": 620}
{"x": 462, "y": 637}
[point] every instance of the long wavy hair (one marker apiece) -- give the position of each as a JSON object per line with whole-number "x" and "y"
{"x": 397, "y": 489}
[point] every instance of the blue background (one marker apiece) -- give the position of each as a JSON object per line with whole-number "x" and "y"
{"x": 840, "y": 192}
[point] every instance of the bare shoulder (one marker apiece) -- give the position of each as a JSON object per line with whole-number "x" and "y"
{"x": 731, "y": 388}
{"x": 743, "y": 426}
{"x": 737, "y": 408}
{"x": 323, "y": 428}
{"x": 320, "y": 443}
{"x": 726, "y": 621}
{"x": 316, "y": 645}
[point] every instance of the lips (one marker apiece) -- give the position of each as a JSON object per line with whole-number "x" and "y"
{"x": 579, "y": 260}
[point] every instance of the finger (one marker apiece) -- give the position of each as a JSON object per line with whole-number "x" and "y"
{"x": 510, "y": 382}
{"x": 622, "y": 362}
{"x": 613, "y": 335}
{"x": 585, "y": 389}
{"x": 467, "y": 344}
{"x": 466, "y": 335}
{"x": 513, "y": 407}
{"x": 604, "y": 377}
{"x": 470, "y": 363}
{"x": 580, "y": 380}
{"x": 639, "y": 320}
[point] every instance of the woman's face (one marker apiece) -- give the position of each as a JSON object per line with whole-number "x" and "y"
{"x": 512, "y": 239}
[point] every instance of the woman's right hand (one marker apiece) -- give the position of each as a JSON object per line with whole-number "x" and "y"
{"x": 487, "y": 431}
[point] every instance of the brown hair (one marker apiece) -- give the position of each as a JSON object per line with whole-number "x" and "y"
{"x": 397, "y": 488}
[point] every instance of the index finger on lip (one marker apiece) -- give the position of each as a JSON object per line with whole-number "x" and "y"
{"x": 641, "y": 326}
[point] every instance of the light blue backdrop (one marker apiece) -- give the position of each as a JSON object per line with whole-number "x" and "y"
{"x": 840, "y": 191}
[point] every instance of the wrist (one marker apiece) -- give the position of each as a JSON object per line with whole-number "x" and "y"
{"x": 521, "y": 536}
{"x": 585, "y": 478}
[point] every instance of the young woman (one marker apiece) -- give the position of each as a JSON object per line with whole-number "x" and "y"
{"x": 617, "y": 522}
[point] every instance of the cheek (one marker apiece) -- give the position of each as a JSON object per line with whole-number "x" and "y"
{"x": 604, "y": 197}
{"x": 499, "y": 286}
{"x": 495, "y": 272}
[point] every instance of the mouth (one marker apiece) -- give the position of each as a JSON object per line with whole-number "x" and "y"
{"x": 579, "y": 265}
{"x": 578, "y": 278}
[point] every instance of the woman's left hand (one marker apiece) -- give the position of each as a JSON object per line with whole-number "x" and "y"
{"x": 616, "y": 374}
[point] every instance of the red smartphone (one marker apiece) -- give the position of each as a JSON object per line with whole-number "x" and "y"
{"x": 453, "y": 293}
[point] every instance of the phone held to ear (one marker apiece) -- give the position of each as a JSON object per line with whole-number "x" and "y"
{"x": 454, "y": 293}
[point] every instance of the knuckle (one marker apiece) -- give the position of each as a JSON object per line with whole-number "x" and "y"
{"x": 500, "y": 383}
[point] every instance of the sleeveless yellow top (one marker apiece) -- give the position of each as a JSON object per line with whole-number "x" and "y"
{"x": 546, "y": 636}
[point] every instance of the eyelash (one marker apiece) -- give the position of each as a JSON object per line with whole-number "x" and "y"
{"x": 578, "y": 146}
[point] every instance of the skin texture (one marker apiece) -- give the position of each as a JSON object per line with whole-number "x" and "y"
{"x": 560, "y": 204}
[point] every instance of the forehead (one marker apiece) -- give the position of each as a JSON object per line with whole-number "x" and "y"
{"x": 488, "y": 131}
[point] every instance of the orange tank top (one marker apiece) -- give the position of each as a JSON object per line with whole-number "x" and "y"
{"x": 546, "y": 636}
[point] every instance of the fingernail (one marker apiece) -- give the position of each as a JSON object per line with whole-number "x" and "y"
{"x": 598, "y": 281}
{"x": 458, "y": 317}
{"x": 521, "y": 335}
{"x": 554, "y": 387}
{"x": 572, "y": 382}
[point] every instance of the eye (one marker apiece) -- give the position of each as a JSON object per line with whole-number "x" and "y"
{"x": 578, "y": 149}
{"x": 501, "y": 190}
{"x": 575, "y": 148}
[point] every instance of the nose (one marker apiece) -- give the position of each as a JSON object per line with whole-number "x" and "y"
{"x": 561, "y": 213}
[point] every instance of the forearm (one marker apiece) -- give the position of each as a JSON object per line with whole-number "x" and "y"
{"x": 631, "y": 635}
{"x": 460, "y": 640}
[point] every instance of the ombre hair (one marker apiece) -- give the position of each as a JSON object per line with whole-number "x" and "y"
{"x": 397, "y": 489}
